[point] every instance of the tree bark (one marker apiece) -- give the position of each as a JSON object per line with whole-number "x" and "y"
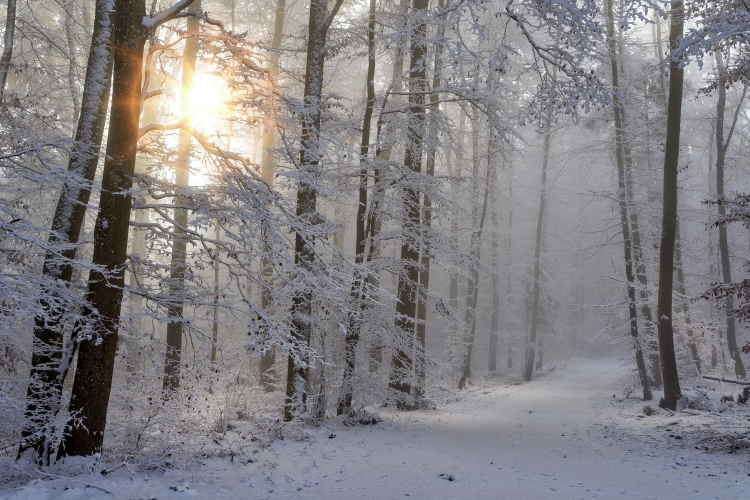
{"x": 509, "y": 262}
{"x": 10, "y": 27}
{"x": 97, "y": 329}
{"x": 268, "y": 360}
{"x": 48, "y": 363}
{"x": 472, "y": 293}
{"x": 424, "y": 273}
{"x": 670, "y": 376}
{"x": 623, "y": 205}
{"x": 495, "y": 256}
{"x": 358, "y": 291}
{"x": 407, "y": 289}
{"x": 531, "y": 353}
{"x": 309, "y": 162}
{"x": 726, "y": 270}
{"x": 178, "y": 266}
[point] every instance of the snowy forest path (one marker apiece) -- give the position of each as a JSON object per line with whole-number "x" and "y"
{"x": 565, "y": 435}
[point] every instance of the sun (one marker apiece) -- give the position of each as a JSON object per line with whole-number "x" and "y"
{"x": 210, "y": 102}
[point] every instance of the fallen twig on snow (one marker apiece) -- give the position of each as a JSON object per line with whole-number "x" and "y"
{"x": 731, "y": 381}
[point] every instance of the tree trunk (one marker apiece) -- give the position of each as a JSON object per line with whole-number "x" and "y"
{"x": 622, "y": 202}
{"x": 453, "y": 287}
{"x": 358, "y": 292}
{"x": 531, "y": 353}
{"x": 407, "y": 289}
{"x": 472, "y": 293}
{"x": 664, "y": 313}
{"x": 178, "y": 267}
{"x": 509, "y": 275}
{"x": 268, "y": 359}
{"x": 495, "y": 321}
{"x": 424, "y": 274}
{"x": 309, "y": 163}
{"x": 48, "y": 365}
{"x": 10, "y": 27}
{"x": 726, "y": 270}
{"x": 97, "y": 330}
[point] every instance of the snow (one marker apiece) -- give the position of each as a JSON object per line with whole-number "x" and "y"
{"x": 564, "y": 435}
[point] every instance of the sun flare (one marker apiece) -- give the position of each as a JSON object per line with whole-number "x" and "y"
{"x": 210, "y": 96}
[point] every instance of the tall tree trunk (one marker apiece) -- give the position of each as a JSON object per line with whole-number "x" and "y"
{"x": 48, "y": 365}
{"x": 726, "y": 270}
{"x": 509, "y": 261}
{"x": 97, "y": 329}
{"x": 307, "y": 195}
{"x": 358, "y": 291}
{"x": 495, "y": 256}
{"x": 453, "y": 287}
{"x": 622, "y": 202}
{"x": 407, "y": 289}
{"x": 531, "y": 352}
{"x": 664, "y": 313}
{"x": 10, "y": 27}
{"x": 424, "y": 273}
{"x": 268, "y": 359}
{"x": 178, "y": 266}
{"x": 383, "y": 155}
{"x": 472, "y": 293}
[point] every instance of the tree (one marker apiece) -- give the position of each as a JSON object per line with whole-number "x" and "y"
{"x": 178, "y": 266}
{"x": 359, "y": 292}
{"x": 50, "y": 360}
{"x": 664, "y": 311}
{"x": 268, "y": 359}
{"x": 10, "y": 26}
{"x": 622, "y": 202}
{"x": 721, "y": 150}
{"x": 96, "y": 331}
{"x": 535, "y": 306}
{"x": 308, "y": 167}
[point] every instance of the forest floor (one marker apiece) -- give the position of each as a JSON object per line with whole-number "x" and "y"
{"x": 566, "y": 435}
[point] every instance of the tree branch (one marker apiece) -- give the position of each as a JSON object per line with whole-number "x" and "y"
{"x": 166, "y": 15}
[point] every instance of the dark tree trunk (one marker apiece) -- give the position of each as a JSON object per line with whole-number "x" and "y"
{"x": 358, "y": 292}
{"x": 424, "y": 274}
{"x": 307, "y": 195}
{"x": 97, "y": 330}
{"x": 10, "y": 27}
{"x": 622, "y": 202}
{"x": 48, "y": 363}
{"x": 664, "y": 312}
{"x": 726, "y": 270}
{"x": 408, "y": 280}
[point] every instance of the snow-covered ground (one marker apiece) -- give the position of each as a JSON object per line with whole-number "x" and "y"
{"x": 566, "y": 435}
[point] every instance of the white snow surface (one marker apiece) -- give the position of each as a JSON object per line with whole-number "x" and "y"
{"x": 563, "y": 436}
